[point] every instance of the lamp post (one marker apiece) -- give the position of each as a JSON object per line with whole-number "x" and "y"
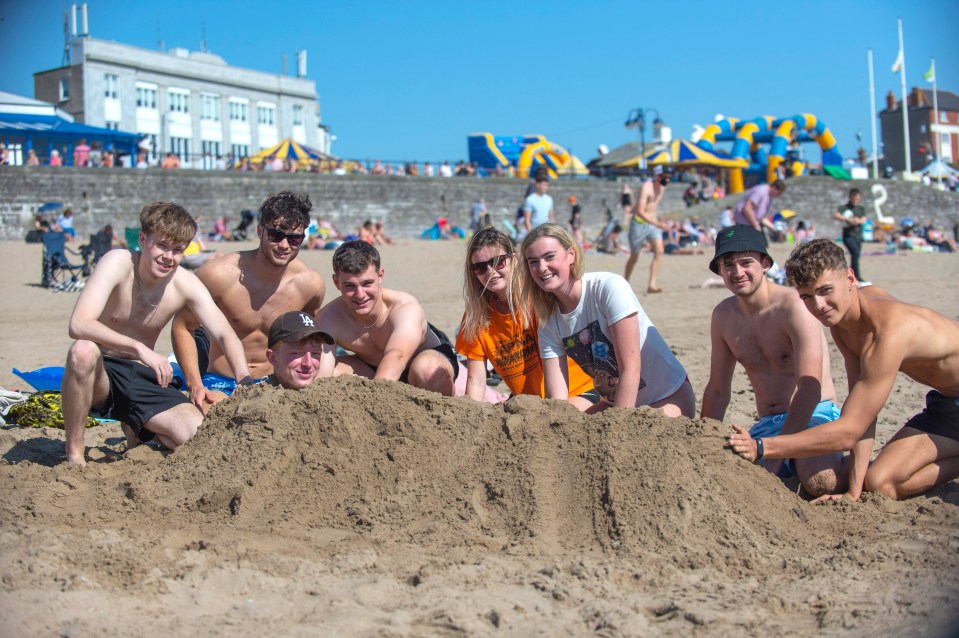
{"x": 637, "y": 119}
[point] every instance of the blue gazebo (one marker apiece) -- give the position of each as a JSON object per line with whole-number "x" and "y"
{"x": 41, "y": 126}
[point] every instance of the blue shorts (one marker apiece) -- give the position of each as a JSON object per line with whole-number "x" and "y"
{"x": 772, "y": 425}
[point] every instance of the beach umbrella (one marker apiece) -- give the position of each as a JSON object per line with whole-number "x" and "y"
{"x": 633, "y": 162}
{"x": 686, "y": 153}
{"x": 938, "y": 168}
{"x": 783, "y": 215}
{"x": 292, "y": 150}
{"x": 572, "y": 167}
{"x": 45, "y": 208}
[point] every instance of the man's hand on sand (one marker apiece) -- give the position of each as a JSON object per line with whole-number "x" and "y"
{"x": 202, "y": 398}
{"x": 743, "y": 444}
{"x": 835, "y": 497}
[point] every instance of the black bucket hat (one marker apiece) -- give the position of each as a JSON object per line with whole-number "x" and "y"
{"x": 740, "y": 238}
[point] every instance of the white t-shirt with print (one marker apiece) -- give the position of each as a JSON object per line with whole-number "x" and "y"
{"x": 584, "y": 335}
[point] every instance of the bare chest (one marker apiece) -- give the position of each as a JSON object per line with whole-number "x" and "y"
{"x": 251, "y": 308}
{"x": 761, "y": 351}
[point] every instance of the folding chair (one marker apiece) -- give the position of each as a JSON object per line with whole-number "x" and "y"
{"x": 58, "y": 273}
{"x": 132, "y": 235}
{"x": 100, "y": 244}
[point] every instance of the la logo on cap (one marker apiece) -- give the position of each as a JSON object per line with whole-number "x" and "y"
{"x": 307, "y": 320}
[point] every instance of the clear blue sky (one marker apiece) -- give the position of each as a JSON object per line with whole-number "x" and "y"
{"x": 411, "y": 79}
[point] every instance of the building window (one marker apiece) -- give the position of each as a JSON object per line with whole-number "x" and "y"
{"x": 180, "y": 146}
{"x": 297, "y": 115}
{"x": 179, "y": 101}
{"x": 240, "y": 151}
{"x": 110, "y": 85}
{"x": 211, "y": 151}
{"x": 239, "y": 111}
{"x": 210, "y": 107}
{"x": 113, "y": 126}
{"x": 943, "y": 117}
{"x": 146, "y": 97}
{"x": 64, "y": 85}
{"x": 266, "y": 115}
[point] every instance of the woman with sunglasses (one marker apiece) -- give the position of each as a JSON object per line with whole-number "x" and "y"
{"x": 596, "y": 320}
{"x": 495, "y": 329}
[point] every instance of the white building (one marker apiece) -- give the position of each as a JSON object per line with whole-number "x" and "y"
{"x": 192, "y": 104}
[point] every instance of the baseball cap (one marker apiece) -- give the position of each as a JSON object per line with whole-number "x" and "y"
{"x": 295, "y": 326}
{"x": 740, "y": 238}
{"x": 658, "y": 169}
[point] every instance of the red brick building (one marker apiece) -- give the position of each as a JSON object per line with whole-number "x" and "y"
{"x": 923, "y": 129}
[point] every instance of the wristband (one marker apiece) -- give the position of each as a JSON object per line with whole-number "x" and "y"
{"x": 760, "y": 451}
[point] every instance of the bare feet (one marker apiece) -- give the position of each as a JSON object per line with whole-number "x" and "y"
{"x": 653, "y": 290}
{"x": 74, "y": 459}
{"x": 132, "y": 439}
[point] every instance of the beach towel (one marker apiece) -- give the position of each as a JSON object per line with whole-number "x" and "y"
{"x": 42, "y": 410}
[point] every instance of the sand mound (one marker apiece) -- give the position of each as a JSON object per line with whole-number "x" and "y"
{"x": 426, "y": 515}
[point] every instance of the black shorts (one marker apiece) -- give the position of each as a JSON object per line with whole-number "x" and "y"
{"x": 592, "y": 396}
{"x": 940, "y": 416}
{"x": 202, "y": 340}
{"x": 135, "y": 397}
{"x": 444, "y": 349}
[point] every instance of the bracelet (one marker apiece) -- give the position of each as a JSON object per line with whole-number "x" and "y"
{"x": 760, "y": 451}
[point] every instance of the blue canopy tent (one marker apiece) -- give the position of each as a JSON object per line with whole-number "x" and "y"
{"x": 46, "y": 132}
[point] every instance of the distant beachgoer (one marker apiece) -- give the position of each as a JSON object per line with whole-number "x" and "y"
{"x": 753, "y": 208}
{"x": 852, "y": 216}
{"x": 446, "y": 170}
{"x": 32, "y": 159}
{"x": 55, "y": 159}
{"x": 385, "y": 330}
{"x": 380, "y": 237}
{"x": 644, "y": 226}
{"x": 596, "y": 320}
{"x": 494, "y": 325}
{"x": 478, "y": 212}
{"x": 576, "y": 221}
{"x": 81, "y": 153}
{"x": 626, "y": 199}
{"x": 765, "y": 328}
{"x": 112, "y": 369}
{"x": 878, "y": 336}
{"x": 65, "y": 222}
{"x": 538, "y": 207}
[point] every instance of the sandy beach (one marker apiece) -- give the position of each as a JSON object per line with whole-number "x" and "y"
{"x": 371, "y": 508}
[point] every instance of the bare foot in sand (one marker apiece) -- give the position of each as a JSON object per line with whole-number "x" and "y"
{"x": 653, "y": 290}
{"x": 74, "y": 459}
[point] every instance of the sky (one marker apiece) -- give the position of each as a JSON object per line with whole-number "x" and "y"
{"x": 410, "y": 80}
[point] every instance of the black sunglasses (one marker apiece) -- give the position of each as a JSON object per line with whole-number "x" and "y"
{"x": 276, "y": 236}
{"x": 498, "y": 263}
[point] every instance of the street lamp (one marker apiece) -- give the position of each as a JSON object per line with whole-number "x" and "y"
{"x": 637, "y": 119}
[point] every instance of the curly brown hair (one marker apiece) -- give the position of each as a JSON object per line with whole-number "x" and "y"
{"x": 289, "y": 207}
{"x": 169, "y": 221}
{"x": 809, "y": 261}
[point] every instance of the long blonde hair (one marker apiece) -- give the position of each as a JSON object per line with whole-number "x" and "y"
{"x": 479, "y": 300}
{"x": 544, "y": 304}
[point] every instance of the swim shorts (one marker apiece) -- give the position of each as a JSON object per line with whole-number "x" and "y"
{"x": 640, "y": 232}
{"x": 202, "y": 340}
{"x": 772, "y": 425}
{"x": 444, "y": 349}
{"x": 135, "y": 397}
{"x": 939, "y": 417}
{"x": 592, "y": 396}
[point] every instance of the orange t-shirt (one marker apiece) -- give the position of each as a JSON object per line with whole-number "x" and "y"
{"x": 514, "y": 352}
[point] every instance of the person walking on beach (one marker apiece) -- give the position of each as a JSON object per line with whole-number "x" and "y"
{"x": 386, "y": 330}
{"x": 495, "y": 328}
{"x": 852, "y": 216}
{"x": 538, "y": 207}
{"x": 252, "y": 288}
{"x": 878, "y": 336}
{"x": 112, "y": 369}
{"x": 765, "y": 328}
{"x": 596, "y": 320}
{"x": 645, "y": 227}
{"x": 753, "y": 208}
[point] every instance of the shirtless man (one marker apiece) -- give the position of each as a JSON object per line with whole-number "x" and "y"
{"x": 251, "y": 288}
{"x": 644, "y": 226}
{"x": 878, "y": 336}
{"x": 296, "y": 350}
{"x": 112, "y": 367}
{"x": 385, "y": 329}
{"x": 765, "y": 328}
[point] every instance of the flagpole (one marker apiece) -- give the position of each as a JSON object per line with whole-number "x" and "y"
{"x": 872, "y": 119}
{"x": 905, "y": 101}
{"x": 935, "y": 115}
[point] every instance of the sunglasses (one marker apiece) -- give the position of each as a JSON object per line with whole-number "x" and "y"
{"x": 276, "y": 236}
{"x": 497, "y": 263}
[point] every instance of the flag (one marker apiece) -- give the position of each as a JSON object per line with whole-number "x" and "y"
{"x": 931, "y": 73}
{"x": 897, "y": 65}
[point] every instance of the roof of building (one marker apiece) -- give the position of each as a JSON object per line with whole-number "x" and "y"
{"x": 948, "y": 101}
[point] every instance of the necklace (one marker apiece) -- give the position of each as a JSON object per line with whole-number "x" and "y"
{"x": 136, "y": 280}
{"x": 372, "y": 324}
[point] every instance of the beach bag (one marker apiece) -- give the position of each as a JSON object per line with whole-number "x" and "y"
{"x": 43, "y": 409}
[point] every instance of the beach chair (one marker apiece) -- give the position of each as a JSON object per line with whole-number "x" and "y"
{"x": 132, "y": 235}
{"x": 246, "y": 218}
{"x": 58, "y": 273}
{"x": 100, "y": 244}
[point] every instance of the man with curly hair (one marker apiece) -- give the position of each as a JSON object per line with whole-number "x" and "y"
{"x": 252, "y": 288}
{"x": 878, "y": 336}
